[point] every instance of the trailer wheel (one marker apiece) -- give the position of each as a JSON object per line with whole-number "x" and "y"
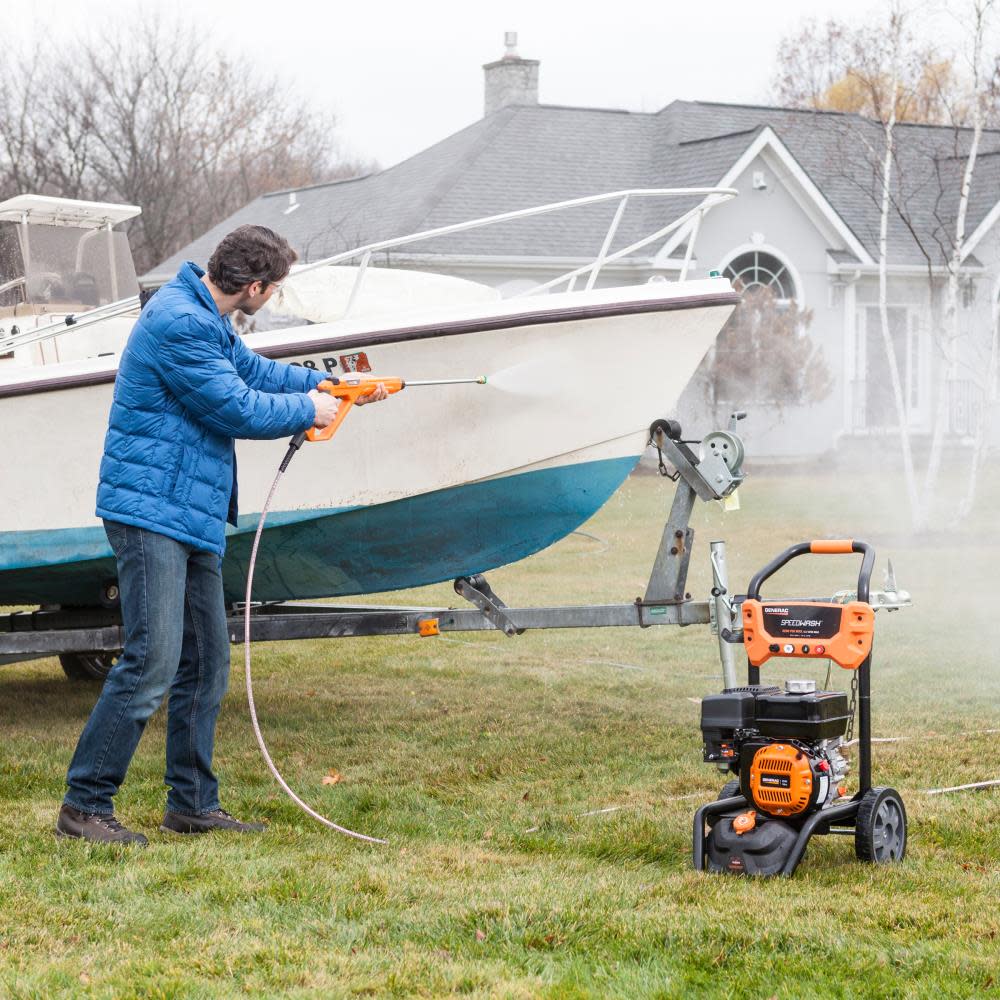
{"x": 87, "y": 666}
{"x": 880, "y": 829}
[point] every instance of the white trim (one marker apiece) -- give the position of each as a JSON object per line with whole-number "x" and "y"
{"x": 774, "y": 252}
{"x": 767, "y": 140}
{"x": 916, "y": 270}
{"x": 981, "y": 230}
{"x": 850, "y": 345}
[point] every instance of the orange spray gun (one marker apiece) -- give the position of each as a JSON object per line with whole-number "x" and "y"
{"x": 348, "y": 388}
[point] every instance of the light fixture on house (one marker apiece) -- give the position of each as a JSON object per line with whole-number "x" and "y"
{"x": 759, "y": 180}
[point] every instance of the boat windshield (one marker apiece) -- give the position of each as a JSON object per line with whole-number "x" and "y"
{"x": 55, "y": 266}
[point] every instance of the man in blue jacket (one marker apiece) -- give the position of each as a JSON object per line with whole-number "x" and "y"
{"x": 186, "y": 387}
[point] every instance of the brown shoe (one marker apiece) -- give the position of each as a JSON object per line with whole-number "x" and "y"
{"x": 217, "y": 819}
{"x": 99, "y": 828}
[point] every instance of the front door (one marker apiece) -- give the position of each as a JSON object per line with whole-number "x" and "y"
{"x": 880, "y": 403}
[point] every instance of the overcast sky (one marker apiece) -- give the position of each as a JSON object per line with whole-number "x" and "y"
{"x": 402, "y": 75}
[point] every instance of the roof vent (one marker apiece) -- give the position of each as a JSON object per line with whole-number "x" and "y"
{"x": 510, "y": 80}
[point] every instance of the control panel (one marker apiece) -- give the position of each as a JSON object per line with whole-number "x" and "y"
{"x": 840, "y": 632}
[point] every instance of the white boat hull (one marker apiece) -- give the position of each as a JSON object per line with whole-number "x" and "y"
{"x": 436, "y": 482}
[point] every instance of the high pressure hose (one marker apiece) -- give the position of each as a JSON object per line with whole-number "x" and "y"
{"x": 292, "y": 449}
{"x": 348, "y": 389}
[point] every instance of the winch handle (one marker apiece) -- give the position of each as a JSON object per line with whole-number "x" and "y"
{"x": 823, "y": 546}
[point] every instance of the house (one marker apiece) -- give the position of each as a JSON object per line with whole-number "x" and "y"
{"x": 806, "y": 225}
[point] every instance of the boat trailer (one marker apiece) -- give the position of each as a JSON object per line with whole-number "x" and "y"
{"x": 87, "y": 640}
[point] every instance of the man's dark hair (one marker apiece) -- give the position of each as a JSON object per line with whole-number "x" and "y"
{"x": 248, "y": 254}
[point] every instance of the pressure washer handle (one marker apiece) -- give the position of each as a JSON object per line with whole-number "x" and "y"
{"x": 325, "y": 433}
{"x": 829, "y": 546}
{"x": 348, "y": 389}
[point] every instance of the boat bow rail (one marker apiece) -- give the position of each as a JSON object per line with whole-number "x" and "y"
{"x": 708, "y": 198}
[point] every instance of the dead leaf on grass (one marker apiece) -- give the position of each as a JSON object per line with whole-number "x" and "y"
{"x": 332, "y": 777}
{"x": 480, "y": 935}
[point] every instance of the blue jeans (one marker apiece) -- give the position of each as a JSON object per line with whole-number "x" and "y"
{"x": 176, "y": 640}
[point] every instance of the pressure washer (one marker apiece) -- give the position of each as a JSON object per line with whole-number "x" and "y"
{"x": 784, "y": 746}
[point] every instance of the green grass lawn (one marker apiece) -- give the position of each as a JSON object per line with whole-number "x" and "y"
{"x": 484, "y": 760}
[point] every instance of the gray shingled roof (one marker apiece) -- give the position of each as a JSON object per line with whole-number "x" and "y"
{"x": 529, "y": 155}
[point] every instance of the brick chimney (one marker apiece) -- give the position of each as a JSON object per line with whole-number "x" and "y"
{"x": 510, "y": 80}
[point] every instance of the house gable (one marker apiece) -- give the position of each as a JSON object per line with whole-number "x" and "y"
{"x": 770, "y": 149}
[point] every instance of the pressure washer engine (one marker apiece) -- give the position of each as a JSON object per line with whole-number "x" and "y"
{"x": 784, "y": 745}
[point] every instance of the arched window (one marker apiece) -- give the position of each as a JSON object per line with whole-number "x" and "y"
{"x": 758, "y": 269}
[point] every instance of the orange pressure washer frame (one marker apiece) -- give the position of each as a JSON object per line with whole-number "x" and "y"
{"x": 849, "y": 644}
{"x": 839, "y": 632}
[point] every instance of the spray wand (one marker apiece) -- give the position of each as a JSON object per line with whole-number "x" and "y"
{"x": 348, "y": 389}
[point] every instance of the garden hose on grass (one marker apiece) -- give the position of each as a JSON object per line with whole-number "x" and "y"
{"x": 348, "y": 389}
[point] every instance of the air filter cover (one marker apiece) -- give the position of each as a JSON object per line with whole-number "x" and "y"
{"x": 781, "y": 780}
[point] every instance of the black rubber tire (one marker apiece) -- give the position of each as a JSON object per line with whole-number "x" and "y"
{"x": 729, "y": 789}
{"x": 880, "y": 828}
{"x": 87, "y": 666}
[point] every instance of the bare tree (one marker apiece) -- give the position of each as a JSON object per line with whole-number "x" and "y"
{"x": 837, "y": 67}
{"x": 810, "y": 62}
{"x": 156, "y": 117}
{"x": 763, "y": 354}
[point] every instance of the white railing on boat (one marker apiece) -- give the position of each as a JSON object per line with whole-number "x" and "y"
{"x": 710, "y": 197}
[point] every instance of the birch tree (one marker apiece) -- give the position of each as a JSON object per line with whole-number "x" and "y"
{"x": 894, "y": 79}
{"x": 896, "y": 26}
{"x": 980, "y": 100}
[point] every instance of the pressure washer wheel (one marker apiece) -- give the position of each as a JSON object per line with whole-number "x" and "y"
{"x": 729, "y": 789}
{"x": 880, "y": 829}
{"x": 87, "y": 666}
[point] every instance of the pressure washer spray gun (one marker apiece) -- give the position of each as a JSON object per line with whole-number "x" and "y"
{"x": 348, "y": 389}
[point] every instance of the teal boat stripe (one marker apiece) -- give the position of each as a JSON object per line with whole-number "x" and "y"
{"x": 342, "y": 551}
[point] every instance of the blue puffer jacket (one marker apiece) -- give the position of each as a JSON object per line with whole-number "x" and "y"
{"x": 186, "y": 387}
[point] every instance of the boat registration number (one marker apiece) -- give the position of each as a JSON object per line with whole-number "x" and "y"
{"x": 357, "y": 362}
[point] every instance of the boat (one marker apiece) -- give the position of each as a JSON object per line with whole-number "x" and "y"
{"x": 431, "y": 485}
